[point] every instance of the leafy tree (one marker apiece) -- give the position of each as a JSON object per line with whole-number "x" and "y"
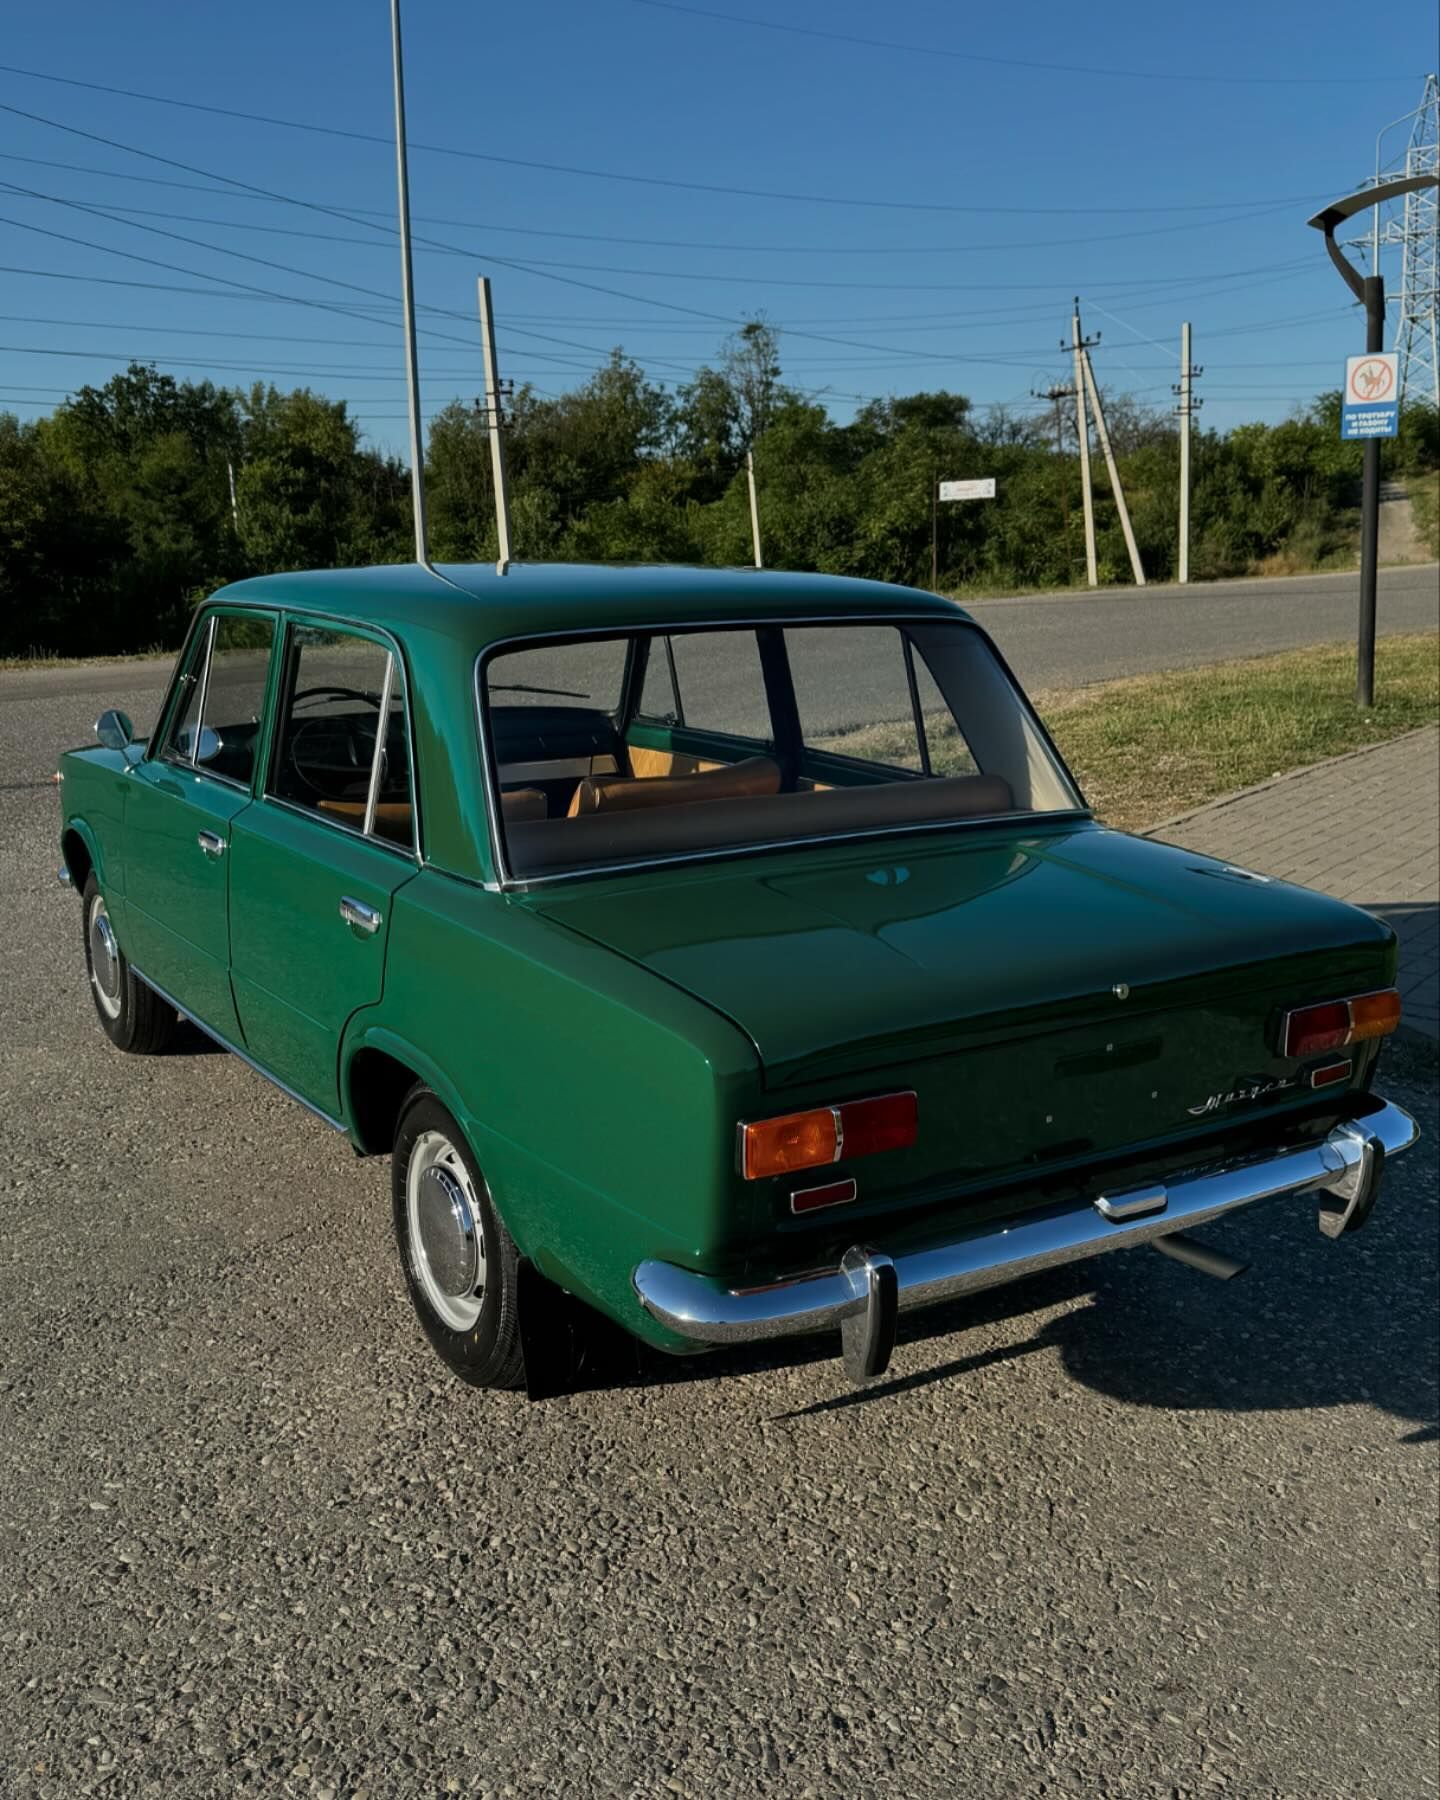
{"x": 115, "y": 511}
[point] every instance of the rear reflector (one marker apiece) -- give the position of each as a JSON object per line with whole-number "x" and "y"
{"x": 805, "y": 1140}
{"x": 834, "y": 1193}
{"x": 1329, "y": 1073}
{"x": 1338, "y": 1023}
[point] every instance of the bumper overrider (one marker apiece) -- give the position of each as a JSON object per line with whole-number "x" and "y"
{"x": 863, "y": 1296}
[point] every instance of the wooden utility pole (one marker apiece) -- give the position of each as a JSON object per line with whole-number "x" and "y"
{"x": 754, "y": 508}
{"x": 1079, "y": 345}
{"x": 1055, "y": 394}
{"x": 1104, "y": 436}
{"x": 1187, "y": 407}
{"x": 934, "y": 532}
{"x": 496, "y": 423}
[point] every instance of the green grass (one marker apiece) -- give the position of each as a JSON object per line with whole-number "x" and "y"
{"x": 1424, "y": 493}
{"x": 1153, "y": 746}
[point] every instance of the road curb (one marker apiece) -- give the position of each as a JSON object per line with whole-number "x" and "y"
{"x": 1260, "y": 787}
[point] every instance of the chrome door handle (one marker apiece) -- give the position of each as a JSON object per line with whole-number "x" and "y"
{"x": 211, "y": 843}
{"x": 359, "y": 916}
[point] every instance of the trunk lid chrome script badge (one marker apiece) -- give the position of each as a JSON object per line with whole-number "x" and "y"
{"x": 1250, "y": 1090}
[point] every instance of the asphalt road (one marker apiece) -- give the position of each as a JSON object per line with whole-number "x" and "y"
{"x": 1049, "y": 642}
{"x": 1119, "y": 1531}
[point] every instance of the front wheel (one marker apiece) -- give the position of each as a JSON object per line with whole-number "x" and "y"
{"x": 461, "y": 1265}
{"x": 132, "y": 1016}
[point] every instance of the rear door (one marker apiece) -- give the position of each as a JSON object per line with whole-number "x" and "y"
{"x": 317, "y": 861}
{"x": 183, "y": 800}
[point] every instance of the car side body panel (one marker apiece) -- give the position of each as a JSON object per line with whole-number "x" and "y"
{"x": 599, "y": 1099}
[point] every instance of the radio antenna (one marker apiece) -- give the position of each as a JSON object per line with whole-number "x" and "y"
{"x": 407, "y": 276}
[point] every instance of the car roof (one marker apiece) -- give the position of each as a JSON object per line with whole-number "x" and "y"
{"x": 473, "y": 603}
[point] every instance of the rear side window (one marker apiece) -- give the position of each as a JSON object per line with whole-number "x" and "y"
{"x": 342, "y": 748}
{"x": 865, "y": 692}
{"x": 709, "y": 680}
{"x": 217, "y": 722}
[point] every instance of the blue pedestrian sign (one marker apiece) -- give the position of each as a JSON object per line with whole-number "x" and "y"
{"x": 1370, "y": 407}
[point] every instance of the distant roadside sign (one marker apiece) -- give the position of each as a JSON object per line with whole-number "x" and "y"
{"x": 968, "y": 490}
{"x": 1370, "y": 407}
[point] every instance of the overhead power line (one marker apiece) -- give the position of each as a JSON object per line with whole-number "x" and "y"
{"x": 125, "y": 213}
{"x": 698, "y": 187}
{"x": 1014, "y": 62}
{"x": 1240, "y": 217}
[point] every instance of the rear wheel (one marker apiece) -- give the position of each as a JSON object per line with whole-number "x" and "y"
{"x": 461, "y": 1265}
{"x": 132, "y": 1016}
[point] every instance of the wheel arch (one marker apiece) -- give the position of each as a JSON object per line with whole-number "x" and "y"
{"x": 378, "y": 1069}
{"x": 81, "y": 852}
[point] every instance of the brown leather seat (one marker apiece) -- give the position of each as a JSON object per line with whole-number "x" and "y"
{"x": 752, "y": 779}
{"x": 524, "y": 803}
{"x": 392, "y": 817}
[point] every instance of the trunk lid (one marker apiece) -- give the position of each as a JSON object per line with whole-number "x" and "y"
{"x": 1048, "y": 991}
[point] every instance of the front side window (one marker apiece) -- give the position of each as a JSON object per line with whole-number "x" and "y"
{"x": 217, "y": 719}
{"x": 741, "y": 736}
{"x": 342, "y": 749}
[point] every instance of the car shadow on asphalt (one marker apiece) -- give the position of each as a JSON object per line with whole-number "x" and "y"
{"x": 190, "y": 1040}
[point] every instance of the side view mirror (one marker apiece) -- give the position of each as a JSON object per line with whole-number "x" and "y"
{"x": 115, "y": 730}
{"x": 205, "y": 749}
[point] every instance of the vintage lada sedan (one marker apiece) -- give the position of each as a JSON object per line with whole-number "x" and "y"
{"x": 731, "y": 952}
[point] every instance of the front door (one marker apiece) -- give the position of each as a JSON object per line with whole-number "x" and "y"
{"x": 180, "y": 809}
{"x": 316, "y": 863}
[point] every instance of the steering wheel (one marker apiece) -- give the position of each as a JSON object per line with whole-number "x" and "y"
{"x": 354, "y": 744}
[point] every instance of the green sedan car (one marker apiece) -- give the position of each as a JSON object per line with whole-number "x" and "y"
{"x": 731, "y": 952}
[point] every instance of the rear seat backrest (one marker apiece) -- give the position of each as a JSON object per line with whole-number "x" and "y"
{"x": 752, "y": 779}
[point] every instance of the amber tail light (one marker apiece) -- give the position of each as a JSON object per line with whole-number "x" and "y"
{"x": 1336, "y": 1024}
{"x": 825, "y": 1134}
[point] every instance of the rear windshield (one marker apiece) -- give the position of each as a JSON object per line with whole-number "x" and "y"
{"x": 618, "y": 749}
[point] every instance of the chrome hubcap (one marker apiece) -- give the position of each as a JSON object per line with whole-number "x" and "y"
{"x": 447, "y": 1237}
{"x": 104, "y": 960}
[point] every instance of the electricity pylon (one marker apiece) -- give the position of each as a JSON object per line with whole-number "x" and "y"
{"x": 1416, "y": 339}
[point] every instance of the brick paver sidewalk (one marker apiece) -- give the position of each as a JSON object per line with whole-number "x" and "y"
{"x": 1364, "y": 827}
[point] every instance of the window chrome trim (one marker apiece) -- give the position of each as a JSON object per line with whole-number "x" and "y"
{"x": 204, "y": 692}
{"x": 382, "y": 731}
{"x": 249, "y": 1061}
{"x": 504, "y": 882}
{"x": 361, "y": 628}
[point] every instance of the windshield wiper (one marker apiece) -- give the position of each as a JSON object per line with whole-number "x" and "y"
{"x": 523, "y": 687}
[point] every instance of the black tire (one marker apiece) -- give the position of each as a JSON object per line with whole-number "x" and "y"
{"x": 483, "y": 1349}
{"x": 131, "y": 1015}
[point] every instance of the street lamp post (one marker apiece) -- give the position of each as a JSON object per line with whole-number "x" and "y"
{"x": 1370, "y": 290}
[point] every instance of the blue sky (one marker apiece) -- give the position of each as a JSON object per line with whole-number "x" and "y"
{"x": 941, "y": 209}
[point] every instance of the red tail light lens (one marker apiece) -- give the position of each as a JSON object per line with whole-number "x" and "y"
{"x": 826, "y": 1134}
{"x": 1338, "y": 1023}
{"x": 887, "y": 1123}
{"x": 1317, "y": 1028}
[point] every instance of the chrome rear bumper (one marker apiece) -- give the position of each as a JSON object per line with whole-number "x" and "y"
{"x": 863, "y": 1294}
